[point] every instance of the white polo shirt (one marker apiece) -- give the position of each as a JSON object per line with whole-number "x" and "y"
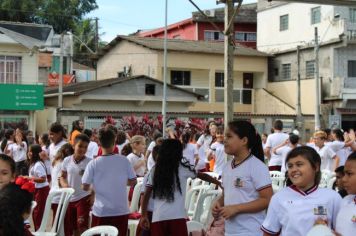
{"x": 283, "y": 152}
{"x": 343, "y": 154}
{"x": 133, "y": 158}
{"x": 220, "y": 161}
{"x": 241, "y": 185}
{"x": 143, "y": 189}
{"x": 109, "y": 176}
{"x": 75, "y": 172}
{"x": 53, "y": 149}
{"x": 164, "y": 210}
{"x": 204, "y": 141}
{"x": 92, "y": 150}
{"x": 327, "y": 156}
{"x": 38, "y": 170}
{"x": 346, "y": 219}
{"x": 18, "y": 152}
{"x": 189, "y": 153}
{"x": 294, "y": 212}
{"x": 273, "y": 140}
{"x": 56, "y": 172}
{"x": 121, "y": 146}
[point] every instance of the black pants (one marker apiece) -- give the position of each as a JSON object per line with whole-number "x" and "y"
{"x": 21, "y": 168}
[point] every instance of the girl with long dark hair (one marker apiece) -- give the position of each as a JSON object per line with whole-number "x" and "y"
{"x": 167, "y": 184}
{"x": 246, "y": 181}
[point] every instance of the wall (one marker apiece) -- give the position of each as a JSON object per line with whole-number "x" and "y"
{"x": 300, "y": 30}
{"x": 29, "y": 69}
{"x": 142, "y": 61}
{"x": 44, "y": 119}
{"x": 184, "y": 31}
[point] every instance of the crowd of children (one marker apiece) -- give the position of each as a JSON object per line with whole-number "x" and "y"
{"x": 100, "y": 173}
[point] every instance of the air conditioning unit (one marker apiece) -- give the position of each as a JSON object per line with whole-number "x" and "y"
{"x": 210, "y": 13}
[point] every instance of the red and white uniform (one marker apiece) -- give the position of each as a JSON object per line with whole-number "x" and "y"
{"x": 189, "y": 153}
{"x": 134, "y": 159}
{"x": 346, "y": 219}
{"x": 327, "y": 156}
{"x": 241, "y": 185}
{"x": 273, "y": 140}
{"x": 294, "y": 212}
{"x": 220, "y": 160}
{"x": 54, "y": 148}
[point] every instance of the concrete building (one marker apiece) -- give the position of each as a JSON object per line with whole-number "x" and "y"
{"x": 198, "y": 27}
{"x": 284, "y": 26}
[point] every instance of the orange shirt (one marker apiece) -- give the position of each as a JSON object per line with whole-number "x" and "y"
{"x": 73, "y": 135}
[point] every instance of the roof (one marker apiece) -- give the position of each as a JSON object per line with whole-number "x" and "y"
{"x": 83, "y": 87}
{"x": 146, "y": 33}
{"x": 247, "y": 14}
{"x": 78, "y": 66}
{"x": 180, "y": 45}
{"x": 29, "y": 35}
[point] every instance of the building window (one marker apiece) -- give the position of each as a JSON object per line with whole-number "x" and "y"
{"x": 10, "y": 69}
{"x": 219, "y": 79}
{"x": 213, "y": 36}
{"x": 276, "y": 71}
{"x": 283, "y": 22}
{"x": 351, "y": 67}
{"x": 286, "y": 75}
{"x": 309, "y": 68}
{"x": 245, "y": 37}
{"x": 180, "y": 77}
{"x": 353, "y": 15}
{"x": 150, "y": 89}
{"x": 315, "y": 15}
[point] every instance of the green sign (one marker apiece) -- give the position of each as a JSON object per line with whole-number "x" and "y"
{"x": 21, "y": 97}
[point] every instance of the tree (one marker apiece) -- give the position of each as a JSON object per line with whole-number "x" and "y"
{"x": 85, "y": 31}
{"x": 61, "y": 14}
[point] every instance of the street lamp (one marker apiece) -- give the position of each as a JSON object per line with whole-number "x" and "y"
{"x": 164, "y": 102}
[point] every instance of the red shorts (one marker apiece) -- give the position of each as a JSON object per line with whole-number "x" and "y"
{"x": 177, "y": 227}
{"x": 274, "y": 168}
{"x": 120, "y": 222}
{"x": 40, "y": 196}
{"x": 77, "y": 216}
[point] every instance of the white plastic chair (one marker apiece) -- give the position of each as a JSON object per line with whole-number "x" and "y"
{"x": 192, "y": 197}
{"x": 194, "y": 226}
{"x": 320, "y": 230}
{"x": 135, "y": 197}
{"x": 58, "y": 222}
{"x": 202, "y": 214}
{"x": 103, "y": 230}
{"x": 326, "y": 177}
{"x": 277, "y": 179}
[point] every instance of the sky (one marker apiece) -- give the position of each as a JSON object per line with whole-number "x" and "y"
{"x": 122, "y": 17}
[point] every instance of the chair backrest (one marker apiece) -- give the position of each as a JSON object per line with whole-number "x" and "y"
{"x": 103, "y": 230}
{"x": 136, "y": 197}
{"x": 326, "y": 177}
{"x": 58, "y": 220}
{"x": 192, "y": 196}
{"x": 204, "y": 203}
{"x": 277, "y": 179}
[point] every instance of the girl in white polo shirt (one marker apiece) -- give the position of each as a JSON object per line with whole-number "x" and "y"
{"x": 218, "y": 152}
{"x": 246, "y": 182}
{"x": 346, "y": 219}
{"x": 57, "y": 135}
{"x": 137, "y": 158}
{"x": 38, "y": 175}
{"x": 295, "y": 209}
{"x": 190, "y": 150}
{"x": 167, "y": 184}
{"x": 73, "y": 168}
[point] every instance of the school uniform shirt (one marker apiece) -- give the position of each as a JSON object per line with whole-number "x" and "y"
{"x": 92, "y": 150}
{"x": 75, "y": 171}
{"x": 220, "y": 161}
{"x": 283, "y": 152}
{"x": 273, "y": 140}
{"x": 143, "y": 189}
{"x": 294, "y": 212}
{"x": 343, "y": 154}
{"x": 38, "y": 170}
{"x": 47, "y": 162}
{"x": 204, "y": 141}
{"x": 56, "y": 172}
{"x": 108, "y": 176}
{"x": 150, "y": 162}
{"x": 164, "y": 210}
{"x": 346, "y": 219}
{"x": 327, "y": 156}
{"x": 189, "y": 153}
{"x": 133, "y": 158}
{"x": 151, "y": 146}
{"x": 18, "y": 152}
{"x": 53, "y": 149}
{"x": 241, "y": 185}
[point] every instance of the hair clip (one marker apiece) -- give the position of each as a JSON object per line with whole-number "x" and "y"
{"x": 25, "y": 184}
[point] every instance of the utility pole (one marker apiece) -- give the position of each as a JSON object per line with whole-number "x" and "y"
{"x": 317, "y": 84}
{"x": 299, "y": 107}
{"x": 228, "y": 63}
{"x": 96, "y": 35}
{"x": 60, "y": 79}
{"x": 164, "y": 102}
